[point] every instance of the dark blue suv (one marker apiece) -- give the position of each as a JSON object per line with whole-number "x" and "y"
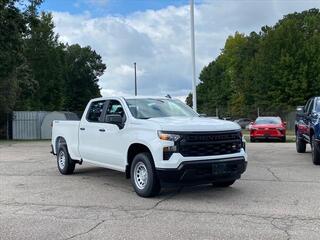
{"x": 307, "y": 128}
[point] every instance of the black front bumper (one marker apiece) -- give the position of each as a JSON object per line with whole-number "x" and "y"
{"x": 203, "y": 171}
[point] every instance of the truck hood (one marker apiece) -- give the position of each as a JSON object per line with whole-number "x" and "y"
{"x": 194, "y": 124}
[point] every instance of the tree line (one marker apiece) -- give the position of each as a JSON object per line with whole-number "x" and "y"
{"x": 274, "y": 70}
{"x": 37, "y": 71}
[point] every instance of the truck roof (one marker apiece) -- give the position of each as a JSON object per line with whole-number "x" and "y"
{"x": 130, "y": 97}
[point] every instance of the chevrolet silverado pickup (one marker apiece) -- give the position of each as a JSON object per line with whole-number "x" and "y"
{"x": 307, "y": 128}
{"x": 156, "y": 142}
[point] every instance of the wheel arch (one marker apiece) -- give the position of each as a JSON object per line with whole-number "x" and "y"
{"x": 133, "y": 150}
{"x": 60, "y": 141}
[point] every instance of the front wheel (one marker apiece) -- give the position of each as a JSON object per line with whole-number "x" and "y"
{"x": 223, "y": 184}
{"x": 65, "y": 164}
{"x": 300, "y": 145}
{"x": 315, "y": 152}
{"x": 143, "y": 176}
{"x": 252, "y": 139}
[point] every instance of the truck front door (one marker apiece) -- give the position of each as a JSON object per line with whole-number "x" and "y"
{"x": 308, "y": 119}
{"x": 112, "y": 139}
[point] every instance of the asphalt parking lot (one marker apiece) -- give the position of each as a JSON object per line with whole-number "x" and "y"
{"x": 277, "y": 198}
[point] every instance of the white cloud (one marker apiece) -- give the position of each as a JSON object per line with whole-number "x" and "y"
{"x": 159, "y": 41}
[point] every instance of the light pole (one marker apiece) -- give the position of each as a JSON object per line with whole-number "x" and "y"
{"x": 194, "y": 86}
{"x": 135, "y": 79}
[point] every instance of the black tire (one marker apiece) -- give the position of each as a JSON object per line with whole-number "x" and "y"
{"x": 315, "y": 151}
{"x": 143, "y": 162}
{"x": 65, "y": 164}
{"x": 300, "y": 145}
{"x": 283, "y": 139}
{"x": 252, "y": 139}
{"x": 223, "y": 184}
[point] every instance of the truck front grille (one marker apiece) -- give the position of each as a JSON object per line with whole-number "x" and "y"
{"x": 210, "y": 143}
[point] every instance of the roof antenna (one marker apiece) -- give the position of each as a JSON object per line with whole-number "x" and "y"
{"x": 168, "y": 96}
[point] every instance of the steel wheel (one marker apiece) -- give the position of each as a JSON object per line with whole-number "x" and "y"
{"x": 62, "y": 160}
{"x": 143, "y": 175}
{"x": 65, "y": 164}
{"x": 140, "y": 175}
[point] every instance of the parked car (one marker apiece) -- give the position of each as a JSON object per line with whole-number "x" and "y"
{"x": 157, "y": 142}
{"x": 268, "y": 128}
{"x": 307, "y": 128}
{"x": 243, "y": 122}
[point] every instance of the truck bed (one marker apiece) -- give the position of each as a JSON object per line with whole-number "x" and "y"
{"x": 69, "y": 130}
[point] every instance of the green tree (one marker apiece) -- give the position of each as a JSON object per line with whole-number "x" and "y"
{"x": 83, "y": 67}
{"x": 45, "y": 55}
{"x": 275, "y": 69}
{"x": 37, "y": 72}
{"x": 13, "y": 64}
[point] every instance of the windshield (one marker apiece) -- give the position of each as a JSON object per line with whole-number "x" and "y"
{"x": 268, "y": 120}
{"x": 155, "y": 108}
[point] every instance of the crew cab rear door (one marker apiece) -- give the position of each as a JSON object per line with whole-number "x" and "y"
{"x": 89, "y": 133}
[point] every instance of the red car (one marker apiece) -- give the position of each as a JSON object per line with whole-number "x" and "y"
{"x": 268, "y": 128}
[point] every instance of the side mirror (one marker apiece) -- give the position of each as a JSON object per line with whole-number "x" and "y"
{"x": 285, "y": 124}
{"x": 114, "y": 119}
{"x": 314, "y": 114}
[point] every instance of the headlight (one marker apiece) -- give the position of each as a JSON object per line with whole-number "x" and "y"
{"x": 168, "y": 136}
{"x": 281, "y": 129}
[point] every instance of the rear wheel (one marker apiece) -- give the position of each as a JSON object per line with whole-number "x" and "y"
{"x": 65, "y": 164}
{"x": 283, "y": 139}
{"x": 300, "y": 145}
{"x": 143, "y": 176}
{"x": 252, "y": 139}
{"x": 315, "y": 151}
{"x": 223, "y": 184}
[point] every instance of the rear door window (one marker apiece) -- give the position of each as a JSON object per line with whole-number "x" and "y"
{"x": 310, "y": 107}
{"x": 95, "y": 111}
{"x": 307, "y": 106}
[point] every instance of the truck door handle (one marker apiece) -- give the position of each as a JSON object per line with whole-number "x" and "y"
{"x": 102, "y": 130}
{"x": 82, "y": 129}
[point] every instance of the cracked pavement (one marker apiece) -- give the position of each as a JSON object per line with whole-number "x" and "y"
{"x": 277, "y": 198}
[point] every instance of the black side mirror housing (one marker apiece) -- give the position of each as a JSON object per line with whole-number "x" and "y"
{"x": 314, "y": 114}
{"x": 114, "y": 119}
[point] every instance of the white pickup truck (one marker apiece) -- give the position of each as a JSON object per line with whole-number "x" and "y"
{"x": 157, "y": 142}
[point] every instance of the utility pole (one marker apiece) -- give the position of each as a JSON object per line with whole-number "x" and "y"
{"x": 135, "y": 79}
{"x": 194, "y": 89}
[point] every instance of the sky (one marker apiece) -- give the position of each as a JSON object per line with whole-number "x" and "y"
{"x": 156, "y": 35}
